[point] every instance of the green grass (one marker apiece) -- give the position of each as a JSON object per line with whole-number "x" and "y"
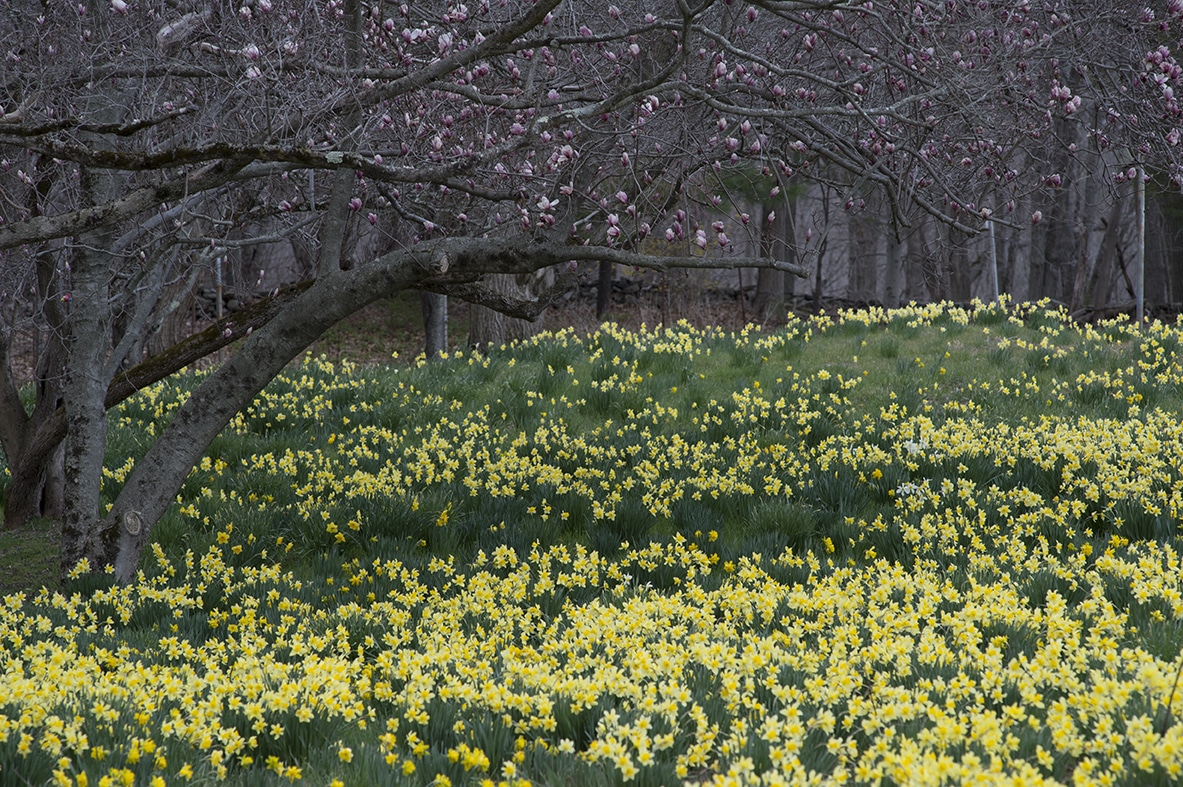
{"x": 29, "y": 557}
{"x": 811, "y": 384}
{"x": 1012, "y": 459}
{"x": 601, "y": 401}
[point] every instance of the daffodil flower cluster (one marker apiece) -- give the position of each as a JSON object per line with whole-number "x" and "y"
{"x": 931, "y": 545}
{"x": 787, "y": 669}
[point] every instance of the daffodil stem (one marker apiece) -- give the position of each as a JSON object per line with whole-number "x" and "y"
{"x": 1166, "y": 720}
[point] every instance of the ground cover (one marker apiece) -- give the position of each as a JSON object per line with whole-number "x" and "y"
{"x": 932, "y": 545}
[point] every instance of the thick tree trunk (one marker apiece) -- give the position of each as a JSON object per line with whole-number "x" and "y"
{"x": 435, "y": 322}
{"x": 607, "y": 275}
{"x": 151, "y": 488}
{"x": 861, "y": 247}
{"x": 1086, "y": 294}
{"x": 960, "y": 275}
{"x": 34, "y": 452}
{"x": 490, "y": 328}
{"x": 86, "y": 413}
{"x": 770, "y": 284}
{"x": 1156, "y": 287}
{"x": 769, "y": 304}
{"x": 152, "y": 485}
{"x": 37, "y": 487}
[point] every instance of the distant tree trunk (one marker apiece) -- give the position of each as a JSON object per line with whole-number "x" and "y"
{"x": 770, "y": 295}
{"x": 935, "y": 244}
{"x": 1085, "y": 291}
{"x": 490, "y": 328}
{"x": 893, "y": 273}
{"x": 1016, "y": 263}
{"x": 604, "y": 287}
{"x": 861, "y": 247}
{"x": 819, "y": 281}
{"x": 770, "y": 284}
{"x": 1172, "y": 211}
{"x": 1029, "y": 260}
{"x": 960, "y": 275}
{"x": 788, "y": 244}
{"x": 1002, "y": 236}
{"x": 1157, "y": 286}
{"x": 1058, "y": 259}
{"x": 1104, "y": 266}
{"x": 914, "y": 264}
{"x": 435, "y": 322}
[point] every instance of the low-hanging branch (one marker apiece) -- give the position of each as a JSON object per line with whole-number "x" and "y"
{"x": 188, "y": 351}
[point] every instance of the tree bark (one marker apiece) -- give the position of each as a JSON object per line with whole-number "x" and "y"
{"x": 1084, "y": 290}
{"x": 118, "y": 539}
{"x": 861, "y": 247}
{"x": 435, "y": 323}
{"x": 770, "y": 284}
{"x": 490, "y": 328}
{"x": 151, "y": 487}
{"x": 892, "y": 289}
{"x": 960, "y": 275}
{"x": 84, "y": 393}
{"x": 604, "y": 287}
{"x": 35, "y": 455}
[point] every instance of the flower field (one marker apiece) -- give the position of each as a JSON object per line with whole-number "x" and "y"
{"x": 928, "y": 546}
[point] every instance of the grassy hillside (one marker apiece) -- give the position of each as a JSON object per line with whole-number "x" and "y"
{"x": 934, "y": 542}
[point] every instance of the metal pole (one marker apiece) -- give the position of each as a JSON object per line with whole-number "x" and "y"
{"x": 1140, "y": 257}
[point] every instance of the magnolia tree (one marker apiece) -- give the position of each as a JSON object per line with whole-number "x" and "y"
{"x": 434, "y": 144}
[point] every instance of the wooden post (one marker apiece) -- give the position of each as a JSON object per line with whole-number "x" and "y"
{"x": 1140, "y": 256}
{"x": 993, "y": 260}
{"x": 218, "y": 287}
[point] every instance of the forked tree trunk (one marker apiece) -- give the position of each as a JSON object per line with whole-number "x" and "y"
{"x": 36, "y": 483}
{"x": 118, "y": 539}
{"x": 37, "y": 488}
{"x": 121, "y": 536}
